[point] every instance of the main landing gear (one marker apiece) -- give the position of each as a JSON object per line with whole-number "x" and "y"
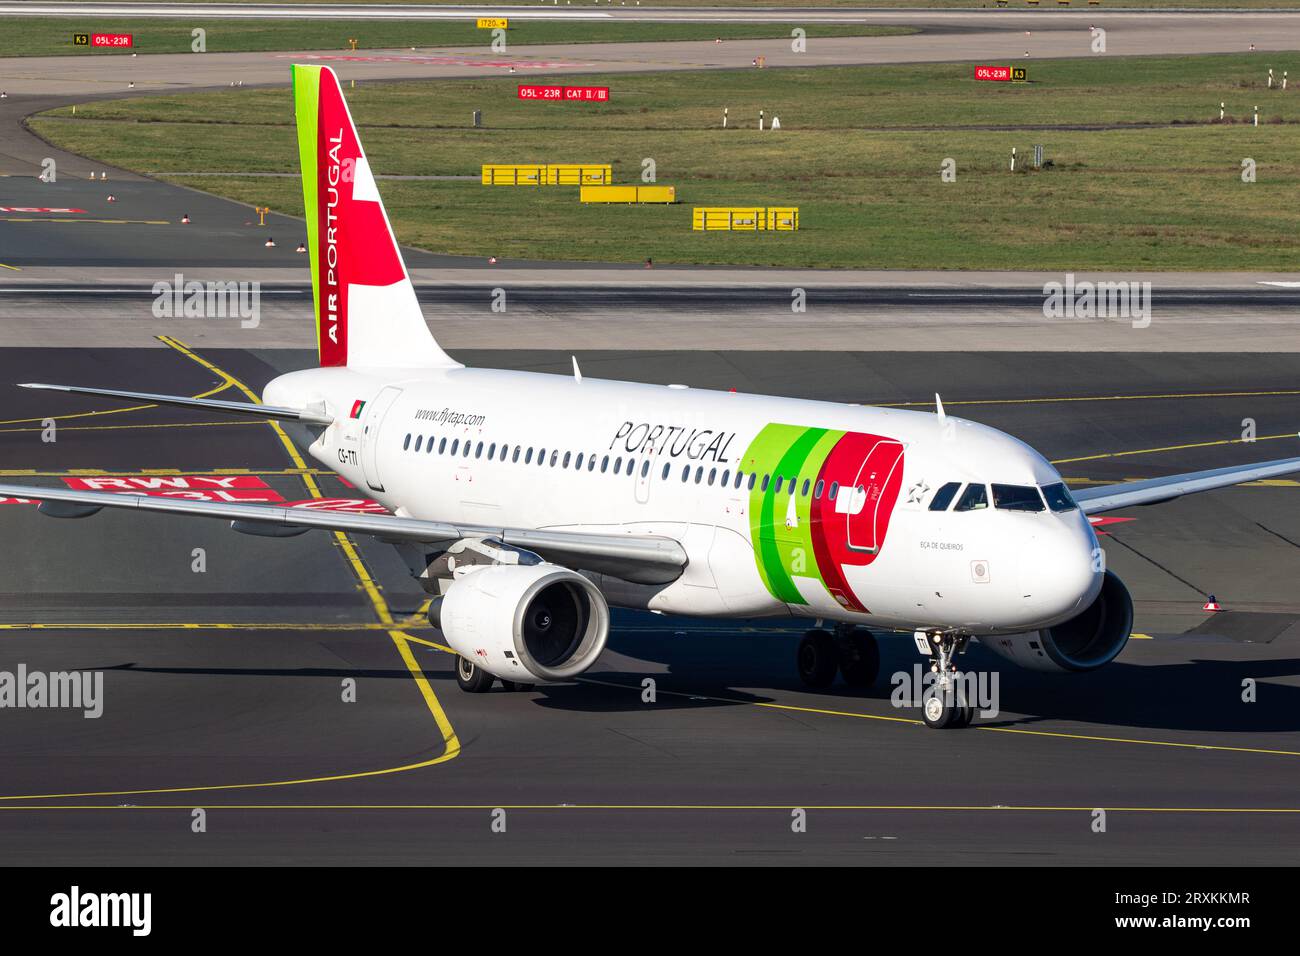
{"x": 944, "y": 703}
{"x": 850, "y": 650}
{"x": 475, "y": 680}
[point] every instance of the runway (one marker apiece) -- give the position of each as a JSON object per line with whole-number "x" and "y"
{"x": 944, "y": 37}
{"x": 223, "y": 688}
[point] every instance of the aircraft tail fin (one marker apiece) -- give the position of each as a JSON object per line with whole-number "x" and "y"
{"x": 365, "y": 306}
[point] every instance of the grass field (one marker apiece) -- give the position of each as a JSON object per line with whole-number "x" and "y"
{"x": 859, "y": 153}
{"x": 22, "y": 36}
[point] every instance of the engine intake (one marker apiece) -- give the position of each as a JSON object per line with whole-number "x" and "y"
{"x": 1089, "y": 640}
{"x": 527, "y": 623}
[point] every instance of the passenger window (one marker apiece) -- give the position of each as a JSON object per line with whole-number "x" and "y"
{"x": 478, "y": 452}
{"x": 806, "y": 482}
{"x": 699, "y": 474}
{"x": 428, "y": 447}
{"x": 407, "y": 444}
{"x": 1017, "y": 498}
{"x": 943, "y": 497}
{"x": 835, "y": 490}
{"x": 442, "y": 445}
{"x": 645, "y": 467}
{"x": 591, "y": 462}
{"x": 454, "y": 445}
{"x": 667, "y": 467}
{"x": 726, "y": 477}
{"x": 753, "y": 476}
{"x": 492, "y": 451}
{"x": 973, "y": 498}
{"x": 713, "y": 473}
{"x": 817, "y": 491}
{"x": 765, "y": 482}
{"x": 741, "y": 477}
{"x": 604, "y": 464}
{"x": 466, "y": 450}
{"x": 419, "y": 439}
{"x": 528, "y": 458}
{"x": 1058, "y": 497}
{"x": 577, "y": 465}
{"x": 686, "y": 474}
{"x": 515, "y": 457}
{"x": 779, "y": 482}
{"x": 567, "y": 456}
{"x": 630, "y": 465}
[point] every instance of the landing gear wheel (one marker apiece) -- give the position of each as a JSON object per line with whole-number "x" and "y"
{"x": 818, "y": 659}
{"x": 859, "y": 656}
{"x": 472, "y": 678}
{"x": 514, "y": 686}
{"x": 939, "y": 711}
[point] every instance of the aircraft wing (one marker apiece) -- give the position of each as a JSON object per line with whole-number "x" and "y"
{"x": 308, "y": 416}
{"x": 644, "y": 559}
{"x": 1155, "y": 490}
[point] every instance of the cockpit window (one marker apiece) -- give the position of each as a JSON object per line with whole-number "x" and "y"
{"x": 943, "y": 497}
{"x": 973, "y": 498}
{"x": 1017, "y": 498}
{"x": 1058, "y": 497}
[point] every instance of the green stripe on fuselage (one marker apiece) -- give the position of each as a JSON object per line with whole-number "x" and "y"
{"x": 783, "y": 553}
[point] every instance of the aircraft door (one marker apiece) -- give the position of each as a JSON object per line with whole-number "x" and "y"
{"x": 860, "y": 502}
{"x": 376, "y": 409}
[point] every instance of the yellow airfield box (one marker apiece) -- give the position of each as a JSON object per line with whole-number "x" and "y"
{"x": 578, "y": 174}
{"x": 745, "y": 218}
{"x": 783, "y": 218}
{"x": 510, "y": 174}
{"x": 543, "y": 174}
{"x": 629, "y": 194}
{"x": 493, "y": 23}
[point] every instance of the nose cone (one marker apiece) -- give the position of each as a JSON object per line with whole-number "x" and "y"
{"x": 1059, "y": 569}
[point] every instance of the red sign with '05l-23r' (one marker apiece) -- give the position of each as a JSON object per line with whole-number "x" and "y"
{"x": 585, "y": 94}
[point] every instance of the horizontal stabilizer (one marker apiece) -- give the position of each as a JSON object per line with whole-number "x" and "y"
{"x": 305, "y": 415}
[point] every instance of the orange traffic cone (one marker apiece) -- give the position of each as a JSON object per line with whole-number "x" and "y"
{"x": 1211, "y": 605}
{"x": 301, "y": 247}
{"x": 492, "y": 260}
{"x": 112, "y": 198}
{"x": 270, "y": 243}
{"x": 185, "y": 218}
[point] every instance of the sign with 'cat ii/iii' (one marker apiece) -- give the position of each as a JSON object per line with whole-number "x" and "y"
{"x": 581, "y": 94}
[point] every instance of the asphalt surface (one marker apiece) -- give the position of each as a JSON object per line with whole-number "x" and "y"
{"x": 196, "y": 713}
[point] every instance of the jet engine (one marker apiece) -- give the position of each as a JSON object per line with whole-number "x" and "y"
{"x": 525, "y": 623}
{"x": 1083, "y": 643}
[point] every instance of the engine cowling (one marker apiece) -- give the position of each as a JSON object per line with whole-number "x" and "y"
{"x": 527, "y": 623}
{"x": 1088, "y": 640}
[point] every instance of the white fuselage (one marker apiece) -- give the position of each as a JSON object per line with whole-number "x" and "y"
{"x": 540, "y": 451}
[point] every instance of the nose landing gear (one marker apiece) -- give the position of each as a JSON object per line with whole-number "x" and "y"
{"x": 944, "y": 703}
{"x": 850, "y": 650}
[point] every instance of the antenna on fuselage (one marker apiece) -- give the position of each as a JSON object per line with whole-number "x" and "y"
{"x": 938, "y": 407}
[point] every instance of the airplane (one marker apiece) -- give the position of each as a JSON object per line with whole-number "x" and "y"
{"x": 528, "y": 504}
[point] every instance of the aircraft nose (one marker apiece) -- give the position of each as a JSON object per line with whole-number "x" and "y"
{"x": 1060, "y": 572}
